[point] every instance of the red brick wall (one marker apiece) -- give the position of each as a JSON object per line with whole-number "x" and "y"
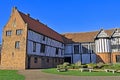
{"x": 103, "y": 57}
{"x": 45, "y": 62}
{"x": 107, "y": 57}
{"x": 114, "y": 56}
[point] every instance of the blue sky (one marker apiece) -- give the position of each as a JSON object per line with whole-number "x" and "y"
{"x": 66, "y": 15}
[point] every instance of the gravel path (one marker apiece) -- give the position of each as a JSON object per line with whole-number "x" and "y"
{"x": 39, "y": 75}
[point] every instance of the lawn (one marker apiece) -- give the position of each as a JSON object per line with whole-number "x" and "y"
{"x": 78, "y": 73}
{"x": 10, "y": 75}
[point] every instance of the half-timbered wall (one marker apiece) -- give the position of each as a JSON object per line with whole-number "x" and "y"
{"x": 102, "y": 42}
{"x": 68, "y": 49}
{"x": 50, "y": 45}
{"x": 115, "y": 41}
{"x": 83, "y": 52}
{"x": 102, "y": 45}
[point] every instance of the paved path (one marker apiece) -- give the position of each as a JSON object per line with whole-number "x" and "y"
{"x": 38, "y": 75}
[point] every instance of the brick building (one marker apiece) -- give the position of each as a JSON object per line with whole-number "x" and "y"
{"x": 28, "y": 43}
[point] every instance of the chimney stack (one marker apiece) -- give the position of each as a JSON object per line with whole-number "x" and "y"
{"x": 14, "y": 8}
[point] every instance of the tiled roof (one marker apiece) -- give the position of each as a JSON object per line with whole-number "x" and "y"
{"x": 81, "y": 37}
{"x": 85, "y": 36}
{"x": 39, "y": 27}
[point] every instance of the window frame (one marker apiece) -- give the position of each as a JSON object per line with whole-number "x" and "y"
{"x": 57, "y": 51}
{"x": 8, "y": 32}
{"x": 17, "y": 44}
{"x": 34, "y": 46}
{"x": 19, "y": 31}
{"x": 76, "y": 49}
{"x": 42, "y": 48}
{"x": 85, "y": 48}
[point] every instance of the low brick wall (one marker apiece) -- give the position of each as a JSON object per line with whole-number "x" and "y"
{"x": 44, "y": 62}
{"x": 107, "y": 57}
{"x": 103, "y": 57}
{"x": 113, "y": 56}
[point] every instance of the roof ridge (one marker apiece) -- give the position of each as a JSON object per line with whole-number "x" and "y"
{"x": 38, "y": 26}
{"x": 89, "y": 31}
{"x": 79, "y": 32}
{"x": 39, "y": 22}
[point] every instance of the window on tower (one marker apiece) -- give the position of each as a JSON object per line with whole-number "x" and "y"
{"x": 9, "y": 33}
{"x": 17, "y": 44}
{"x": 19, "y": 32}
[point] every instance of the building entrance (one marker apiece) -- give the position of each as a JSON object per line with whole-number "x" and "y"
{"x": 67, "y": 59}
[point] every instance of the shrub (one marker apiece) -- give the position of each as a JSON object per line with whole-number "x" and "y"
{"x": 83, "y": 66}
{"x": 78, "y": 63}
{"x": 60, "y": 66}
{"x": 116, "y": 66}
{"x": 106, "y": 66}
{"x": 66, "y": 64}
{"x": 91, "y": 65}
{"x": 76, "y": 67}
{"x": 72, "y": 66}
{"x": 100, "y": 65}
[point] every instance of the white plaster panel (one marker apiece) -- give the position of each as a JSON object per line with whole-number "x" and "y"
{"x": 106, "y": 46}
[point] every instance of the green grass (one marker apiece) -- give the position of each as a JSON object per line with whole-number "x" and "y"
{"x": 78, "y": 73}
{"x": 10, "y": 75}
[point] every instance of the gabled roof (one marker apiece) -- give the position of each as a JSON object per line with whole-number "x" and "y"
{"x": 86, "y": 36}
{"x": 39, "y": 27}
{"x": 116, "y": 33}
{"x": 104, "y": 34}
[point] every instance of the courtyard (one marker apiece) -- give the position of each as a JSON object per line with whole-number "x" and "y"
{"x": 37, "y": 74}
